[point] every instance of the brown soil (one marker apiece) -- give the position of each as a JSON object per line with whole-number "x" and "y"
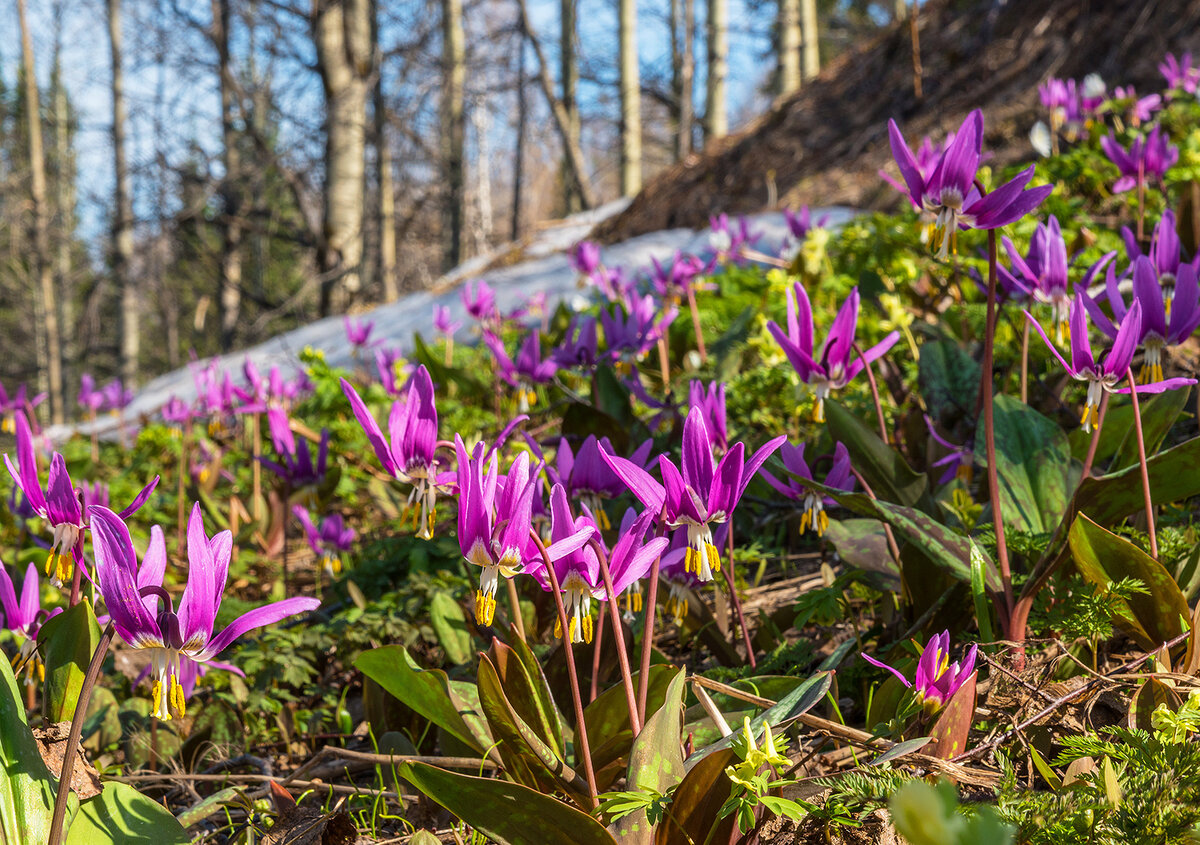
{"x": 824, "y": 145}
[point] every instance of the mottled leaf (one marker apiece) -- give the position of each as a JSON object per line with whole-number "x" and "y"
{"x": 953, "y": 726}
{"x": 890, "y": 477}
{"x": 656, "y": 761}
{"x": 692, "y": 814}
{"x": 67, "y": 642}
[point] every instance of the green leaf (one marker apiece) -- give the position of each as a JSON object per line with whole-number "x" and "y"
{"x": 443, "y": 375}
{"x": 26, "y": 786}
{"x": 949, "y": 379}
{"x": 1103, "y": 558}
{"x": 883, "y": 467}
{"x": 1174, "y": 475}
{"x": 799, "y": 701}
{"x": 953, "y": 726}
{"x": 548, "y": 712}
{"x": 1033, "y": 462}
{"x": 120, "y": 815}
{"x": 450, "y": 624}
{"x": 610, "y": 735}
{"x": 1159, "y": 413}
{"x": 656, "y": 761}
{"x": 901, "y": 749}
{"x": 696, "y": 803}
{"x": 862, "y": 543}
{"x": 212, "y": 804}
{"x": 509, "y": 813}
{"x": 983, "y": 606}
{"x": 1048, "y": 774}
{"x": 67, "y": 642}
{"x": 429, "y": 692}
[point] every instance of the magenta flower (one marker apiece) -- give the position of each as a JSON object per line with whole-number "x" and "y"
{"x": 408, "y": 452}
{"x": 937, "y": 679}
{"x": 1180, "y": 74}
{"x": 392, "y": 369}
{"x": 9, "y": 405}
{"x": 132, "y": 593}
{"x": 630, "y": 333}
{"x": 116, "y": 396}
{"x": 57, "y": 504}
{"x": 480, "y": 301}
{"x": 444, "y": 322}
{"x": 1042, "y": 272}
{"x": 1166, "y": 254}
{"x": 1104, "y": 376}
{"x": 91, "y": 397}
{"x": 926, "y": 159}
{"x": 577, "y": 571}
{"x": 25, "y": 618}
{"x": 672, "y": 279}
{"x": 1061, "y": 101}
{"x": 840, "y": 477}
{"x": 800, "y": 223}
{"x": 836, "y": 364}
{"x": 960, "y": 462}
{"x": 333, "y": 539}
{"x": 950, "y": 193}
{"x": 579, "y": 345}
{"x": 1159, "y": 331}
{"x": 711, "y": 403}
{"x": 1146, "y": 159}
{"x": 585, "y": 257}
{"x": 1140, "y": 109}
{"x": 727, "y": 240}
{"x": 681, "y": 581}
{"x": 358, "y": 332}
{"x": 527, "y": 370}
{"x": 297, "y": 469}
{"x": 696, "y": 494}
{"x": 177, "y": 412}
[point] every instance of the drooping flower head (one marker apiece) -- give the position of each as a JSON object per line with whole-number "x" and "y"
{"x": 699, "y": 493}
{"x": 631, "y": 332}
{"x": 1160, "y": 328}
{"x": 329, "y": 542}
{"x": 950, "y": 194}
{"x": 480, "y": 301}
{"x": 1139, "y": 109}
{"x": 408, "y": 452}
{"x": 358, "y": 332}
{"x": 937, "y": 679}
{"x": 681, "y": 581}
{"x": 116, "y": 396}
{"x": 1181, "y": 75}
{"x": 926, "y": 158}
{"x": 672, "y": 279}
{"x": 24, "y": 617}
{"x": 960, "y": 460}
{"x": 1147, "y": 159}
{"x": 57, "y": 504}
{"x": 527, "y": 370}
{"x": 1166, "y": 254}
{"x": 578, "y": 571}
{"x": 836, "y": 363}
{"x": 393, "y": 368}
{"x": 1103, "y": 376}
{"x": 144, "y": 614}
{"x": 297, "y": 469}
{"x": 10, "y": 404}
{"x": 585, "y": 257}
{"x": 727, "y": 239}
{"x": 840, "y": 477}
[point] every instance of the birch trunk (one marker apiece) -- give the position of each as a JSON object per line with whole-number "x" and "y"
{"x": 342, "y": 35}
{"x": 64, "y": 202}
{"x": 812, "y": 40}
{"x": 716, "y": 119}
{"x": 122, "y": 258}
{"x": 385, "y": 211}
{"x": 631, "y": 100}
{"x": 47, "y": 303}
{"x": 454, "y": 79}
{"x": 687, "y": 75}
{"x": 519, "y": 152}
{"x": 569, "y": 74}
{"x": 788, "y": 26}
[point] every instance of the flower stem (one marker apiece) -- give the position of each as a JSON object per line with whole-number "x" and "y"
{"x": 1091, "y": 452}
{"x": 648, "y": 634}
{"x": 883, "y": 432}
{"x": 515, "y": 603}
{"x": 581, "y": 736}
{"x": 597, "y": 651}
{"x": 70, "y": 751}
{"x": 737, "y": 601}
{"x": 1141, "y": 441}
{"x": 614, "y": 615}
{"x": 1025, "y": 365}
{"x": 691, "y": 298}
{"x": 989, "y": 430}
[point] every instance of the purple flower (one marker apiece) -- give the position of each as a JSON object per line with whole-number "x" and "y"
{"x": 1145, "y": 159}
{"x": 177, "y": 412}
{"x": 681, "y": 581}
{"x": 132, "y": 594}
{"x": 296, "y": 468}
{"x": 800, "y": 223}
{"x": 58, "y": 503}
{"x": 726, "y": 240}
{"x": 950, "y": 194}
{"x": 696, "y": 494}
{"x": 330, "y": 542}
{"x": 480, "y": 301}
{"x": 671, "y": 280}
{"x": 630, "y": 333}
{"x": 25, "y": 618}
{"x": 711, "y": 402}
{"x": 358, "y": 332}
{"x": 1103, "y": 376}
{"x": 579, "y": 344}
{"x": 630, "y": 559}
{"x": 836, "y": 364}
{"x": 960, "y": 461}
{"x": 1140, "y": 109}
{"x": 91, "y": 397}
{"x": 585, "y": 257}
{"x": 408, "y": 452}
{"x": 840, "y": 477}
{"x": 392, "y": 369}
{"x": 444, "y": 322}
{"x": 1166, "y": 255}
{"x": 937, "y": 679}
{"x": 9, "y": 405}
{"x": 926, "y": 160}
{"x": 1158, "y": 330}
{"x": 1061, "y": 102}
{"x": 527, "y": 370}
{"x": 116, "y": 396}
{"x": 1180, "y": 74}
{"x": 1042, "y": 272}
{"x": 577, "y": 571}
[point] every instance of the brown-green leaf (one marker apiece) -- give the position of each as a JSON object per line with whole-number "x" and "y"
{"x": 67, "y": 642}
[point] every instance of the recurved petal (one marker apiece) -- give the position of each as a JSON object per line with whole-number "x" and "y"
{"x": 640, "y": 483}
{"x": 28, "y": 477}
{"x": 883, "y": 665}
{"x": 1126, "y": 342}
{"x": 62, "y": 504}
{"x": 154, "y": 565}
{"x": 906, "y": 161}
{"x": 116, "y": 568}
{"x": 369, "y": 427}
{"x": 257, "y": 618}
{"x": 139, "y": 499}
{"x": 1148, "y": 293}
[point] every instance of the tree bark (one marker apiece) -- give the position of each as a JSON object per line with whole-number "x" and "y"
{"x": 342, "y": 35}
{"x": 42, "y": 267}
{"x": 687, "y": 73}
{"x": 561, "y": 120}
{"x": 122, "y": 259}
{"x": 482, "y": 123}
{"x": 631, "y": 100}
{"x": 454, "y": 79}
{"x": 569, "y": 74}
{"x": 716, "y": 118}
{"x": 788, "y": 66}
{"x": 812, "y": 39}
{"x": 519, "y": 152}
{"x": 385, "y": 211}
{"x": 230, "y": 296}
{"x": 64, "y": 202}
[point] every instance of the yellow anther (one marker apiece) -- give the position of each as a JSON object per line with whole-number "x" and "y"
{"x": 818, "y": 415}
{"x": 485, "y": 608}
{"x": 587, "y": 629}
{"x": 177, "y": 704}
{"x": 822, "y": 523}
{"x": 637, "y": 601}
{"x": 50, "y": 560}
{"x": 156, "y": 696}
{"x": 714, "y": 557}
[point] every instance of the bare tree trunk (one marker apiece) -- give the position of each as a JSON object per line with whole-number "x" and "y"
{"x": 386, "y": 202}
{"x": 631, "y": 100}
{"x": 561, "y": 119}
{"x": 454, "y": 80}
{"x": 676, "y": 24}
{"x": 519, "y": 153}
{"x": 122, "y": 259}
{"x": 481, "y": 120}
{"x": 64, "y": 203}
{"x": 812, "y": 40}
{"x": 687, "y": 71}
{"x": 716, "y": 118}
{"x": 342, "y": 35}
{"x": 569, "y": 74}
{"x": 230, "y": 297}
{"x": 788, "y": 66}
{"x": 48, "y": 328}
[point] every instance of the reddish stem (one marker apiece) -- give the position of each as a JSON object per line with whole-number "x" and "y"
{"x": 1137, "y": 427}
{"x": 614, "y": 615}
